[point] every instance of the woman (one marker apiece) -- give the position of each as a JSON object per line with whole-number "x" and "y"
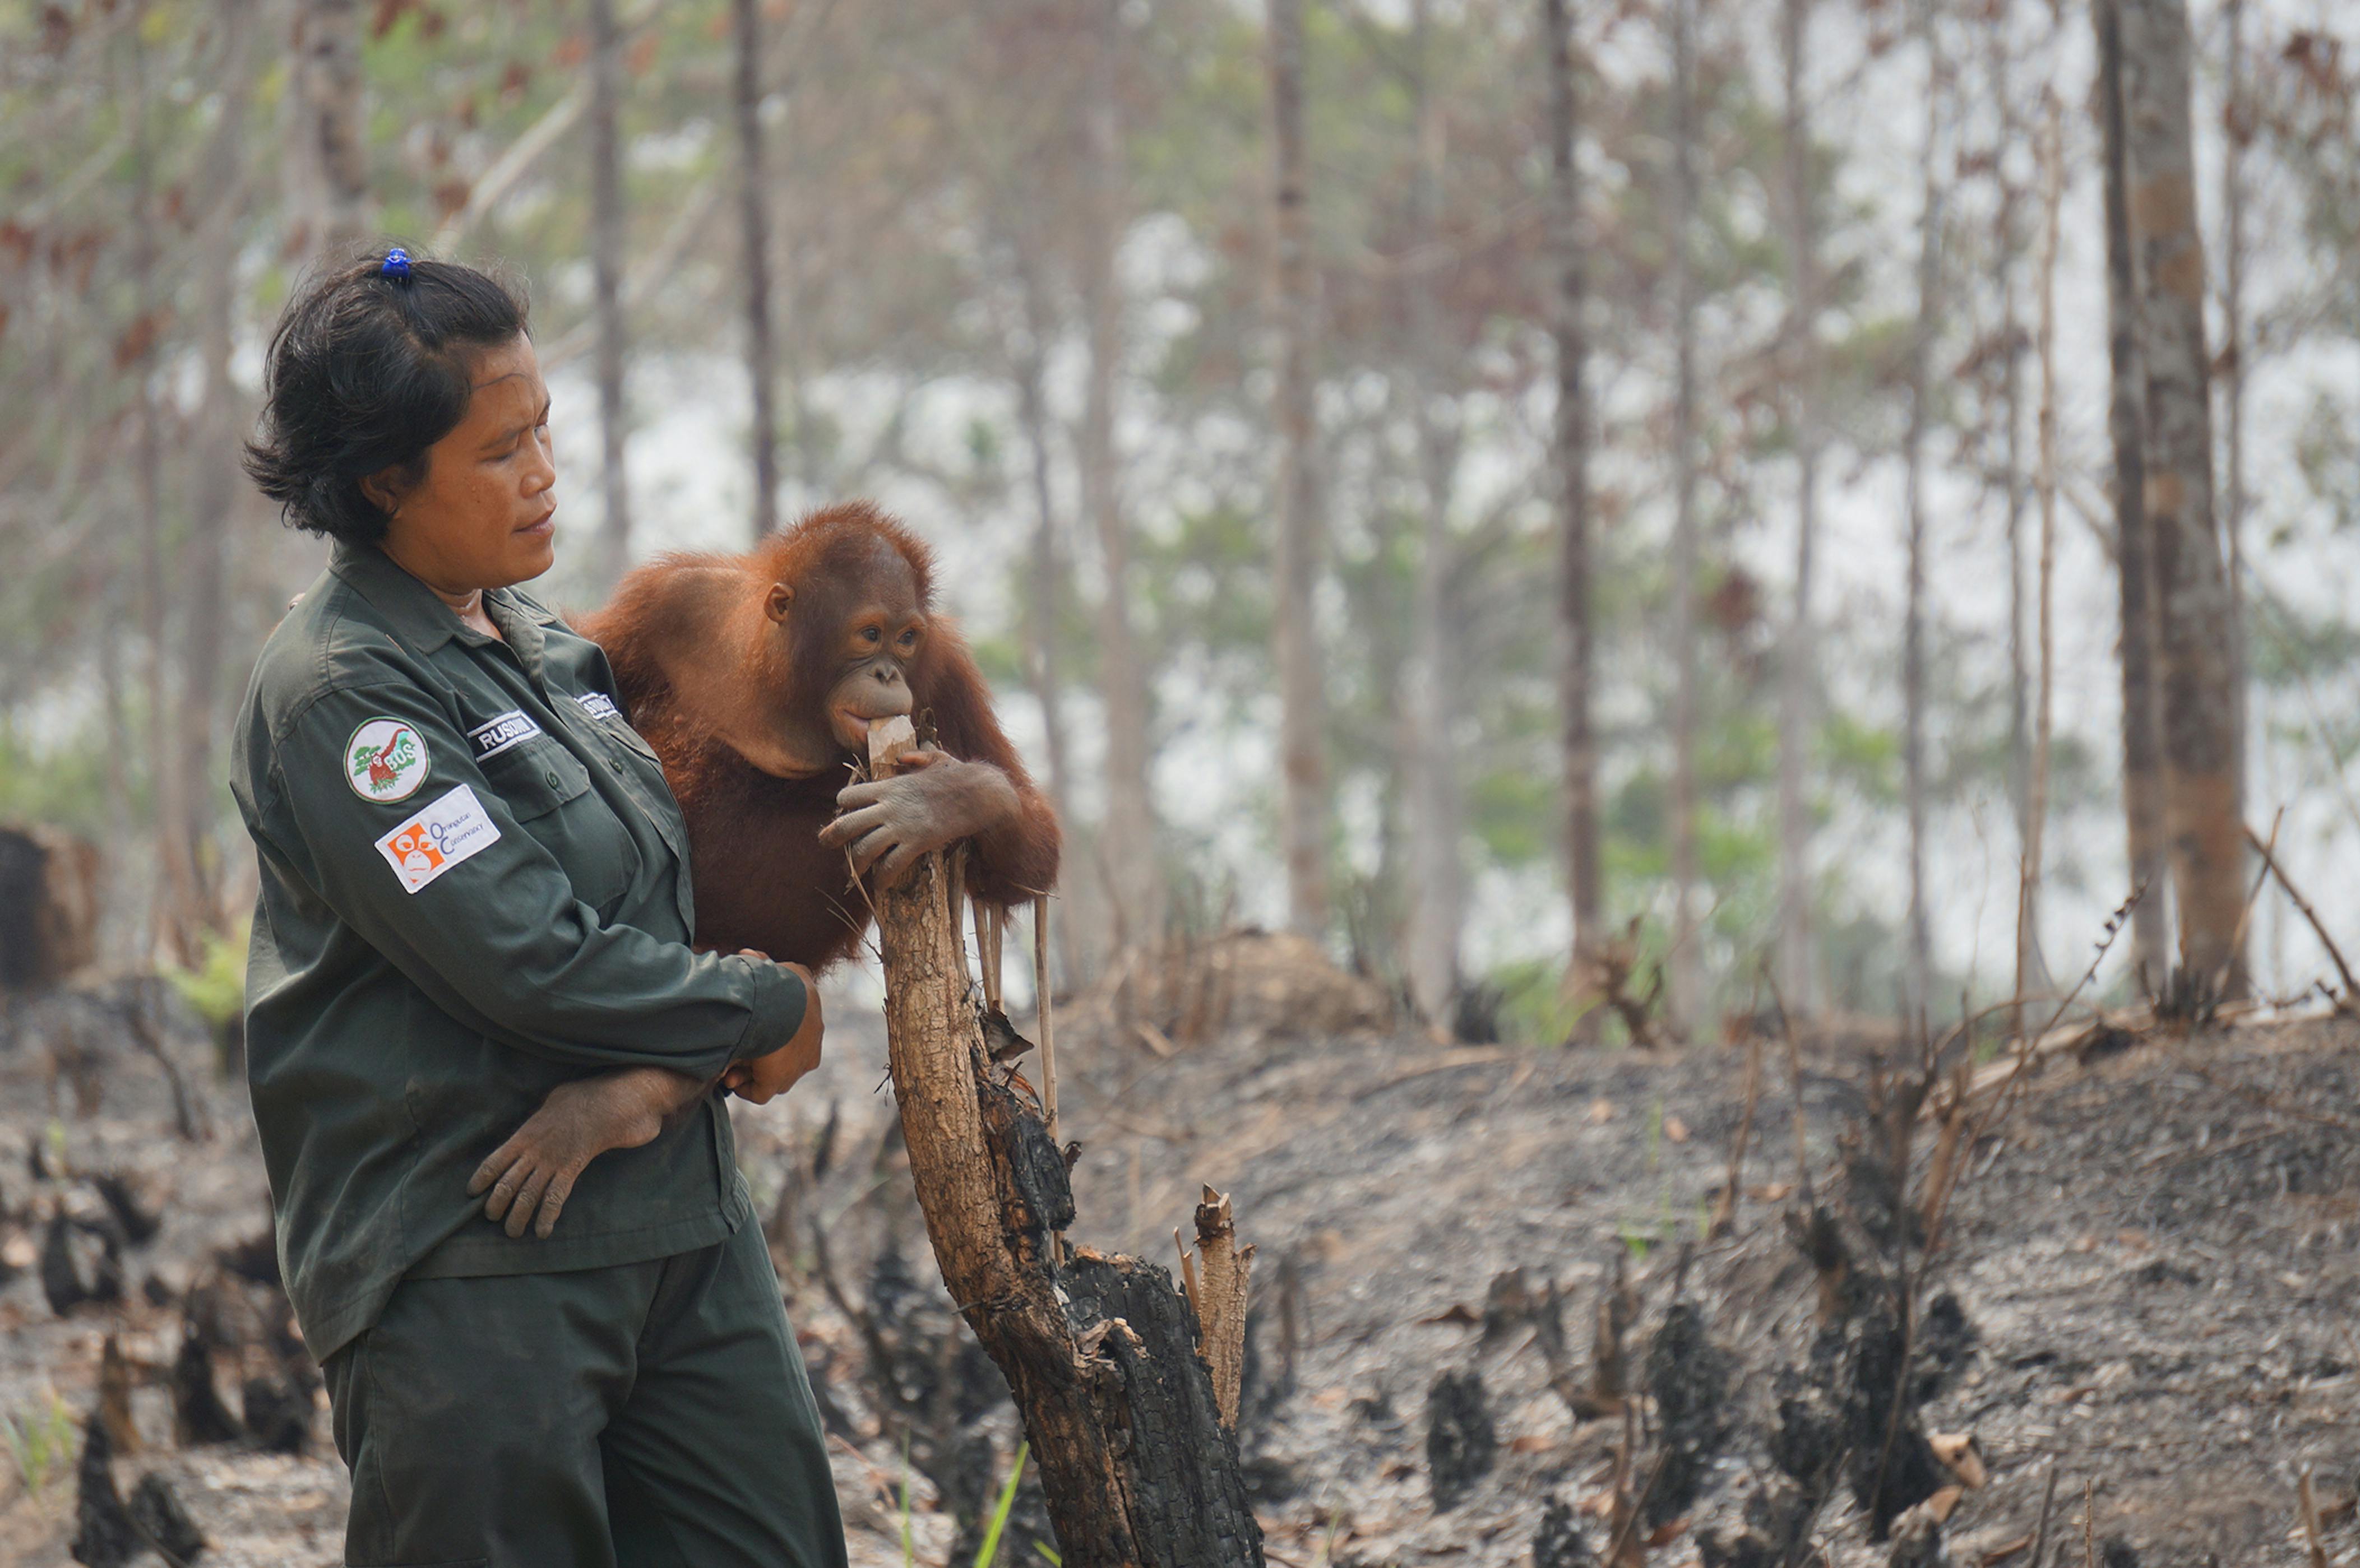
{"x": 475, "y": 892}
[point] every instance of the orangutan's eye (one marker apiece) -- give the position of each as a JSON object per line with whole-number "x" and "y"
{"x": 910, "y": 637}
{"x": 871, "y": 636}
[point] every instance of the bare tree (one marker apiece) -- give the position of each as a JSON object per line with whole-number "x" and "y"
{"x": 1571, "y": 450}
{"x": 1302, "y": 703}
{"x": 1437, "y": 875}
{"x": 754, "y": 225}
{"x": 1798, "y": 654}
{"x": 330, "y": 169}
{"x": 218, "y": 490}
{"x": 2142, "y": 710}
{"x": 2237, "y": 114}
{"x": 1043, "y": 665}
{"x": 2029, "y": 971}
{"x": 2202, "y": 750}
{"x": 2001, "y": 66}
{"x": 606, "y": 283}
{"x": 174, "y": 913}
{"x": 1127, "y": 845}
{"x": 1681, "y": 968}
{"x": 1917, "y": 966}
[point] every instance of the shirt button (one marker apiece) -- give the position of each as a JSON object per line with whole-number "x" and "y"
{"x": 615, "y": 763}
{"x": 549, "y": 777}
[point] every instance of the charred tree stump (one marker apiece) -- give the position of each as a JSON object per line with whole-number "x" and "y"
{"x": 1101, "y": 1353}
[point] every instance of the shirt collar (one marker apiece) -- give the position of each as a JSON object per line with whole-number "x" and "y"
{"x": 411, "y": 611}
{"x": 417, "y": 615}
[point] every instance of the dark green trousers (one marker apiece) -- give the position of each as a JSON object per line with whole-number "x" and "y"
{"x": 651, "y": 1414}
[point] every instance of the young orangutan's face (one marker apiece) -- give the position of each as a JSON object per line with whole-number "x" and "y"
{"x": 484, "y": 514}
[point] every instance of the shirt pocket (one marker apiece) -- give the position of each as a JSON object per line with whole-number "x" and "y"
{"x": 548, "y": 789}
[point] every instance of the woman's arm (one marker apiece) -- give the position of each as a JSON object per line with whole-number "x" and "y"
{"x": 452, "y": 888}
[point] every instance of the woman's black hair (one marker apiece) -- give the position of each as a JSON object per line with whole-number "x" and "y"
{"x": 369, "y": 367}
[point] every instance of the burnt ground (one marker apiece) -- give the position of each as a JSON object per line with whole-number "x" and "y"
{"x": 2153, "y": 1256}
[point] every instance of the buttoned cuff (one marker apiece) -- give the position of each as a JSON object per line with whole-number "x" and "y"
{"x": 776, "y": 997}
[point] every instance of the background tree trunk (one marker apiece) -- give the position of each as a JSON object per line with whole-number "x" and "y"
{"x": 1438, "y": 876}
{"x": 176, "y": 920}
{"x": 1044, "y": 665}
{"x": 1798, "y": 654}
{"x": 330, "y": 167}
{"x": 1681, "y": 967}
{"x": 2134, "y": 562}
{"x": 754, "y": 223}
{"x": 2030, "y": 972}
{"x": 1570, "y": 448}
{"x": 218, "y": 496}
{"x": 2203, "y": 792}
{"x": 1127, "y": 844}
{"x": 607, "y": 284}
{"x": 1917, "y": 960}
{"x": 1302, "y": 701}
{"x": 2006, "y": 246}
{"x": 2237, "y": 128}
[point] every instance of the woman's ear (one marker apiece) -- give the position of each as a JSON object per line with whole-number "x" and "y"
{"x": 775, "y": 603}
{"x": 384, "y": 490}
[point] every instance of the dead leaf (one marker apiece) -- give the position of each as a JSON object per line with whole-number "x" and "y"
{"x": 1957, "y": 1450}
{"x": 1667, "y": 1533}
{"x": 1942, "y": 1504}
{"x": 1676, "y": 1129}
{"x": 1602, "y": 1112}
{"x": 1771, "y": 1192}
{"x": 1460, "y": 1313}
{"x": 1532, "y": 1443}
{"x": 2004, "y": 1551}
{"x": 1600, "y": 1506}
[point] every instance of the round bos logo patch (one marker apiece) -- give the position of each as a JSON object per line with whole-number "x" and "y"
{"x": 385, "y": 760}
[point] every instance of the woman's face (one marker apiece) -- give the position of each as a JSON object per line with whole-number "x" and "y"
{"x": 483, "y": 515}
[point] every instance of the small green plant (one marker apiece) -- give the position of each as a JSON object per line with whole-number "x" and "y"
{"x": 907, "y": 1553}
{"x": 1049, "y": 1554}
{"x": 41, "y": 1441}
{"x": 1001, "y": 1511}
{"x": 215, "y": 989}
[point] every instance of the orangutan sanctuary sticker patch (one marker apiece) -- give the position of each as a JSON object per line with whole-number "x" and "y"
{"x": 439, "y": 838}
{"x": 385, "y": 760}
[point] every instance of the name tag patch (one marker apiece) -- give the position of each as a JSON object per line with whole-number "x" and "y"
{"x": 512, "y": 728}
{"x": 453, "y": 828}
{"x": 599, "y": 705}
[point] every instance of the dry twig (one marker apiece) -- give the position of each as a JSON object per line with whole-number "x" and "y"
{"x": 2351, "y": 995}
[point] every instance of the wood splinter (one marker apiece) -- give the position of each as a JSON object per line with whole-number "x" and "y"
{"x": 1217, "y": 1291}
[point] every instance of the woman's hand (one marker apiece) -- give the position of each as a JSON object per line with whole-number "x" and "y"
{"x": 758, "y": 1078}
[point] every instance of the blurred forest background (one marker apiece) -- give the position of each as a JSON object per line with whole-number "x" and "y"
{"x": 1554, "y": 499}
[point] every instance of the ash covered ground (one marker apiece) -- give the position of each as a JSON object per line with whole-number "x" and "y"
{"x": 2143, "y": 1287}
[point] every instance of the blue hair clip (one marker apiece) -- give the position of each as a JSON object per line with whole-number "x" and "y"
{"x": 397, "y": 265}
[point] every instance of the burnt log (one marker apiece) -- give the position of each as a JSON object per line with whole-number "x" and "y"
{"x": 163, "y": 1521}
{"x": 48, "y": 905}
{"x": 104, "y": 1535}
{"x": 199, "y": 1416}
{"x": 1101, "y": 1353}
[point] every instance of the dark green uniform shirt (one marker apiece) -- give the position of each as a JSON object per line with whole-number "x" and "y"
{"x": 474, "y": 886}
